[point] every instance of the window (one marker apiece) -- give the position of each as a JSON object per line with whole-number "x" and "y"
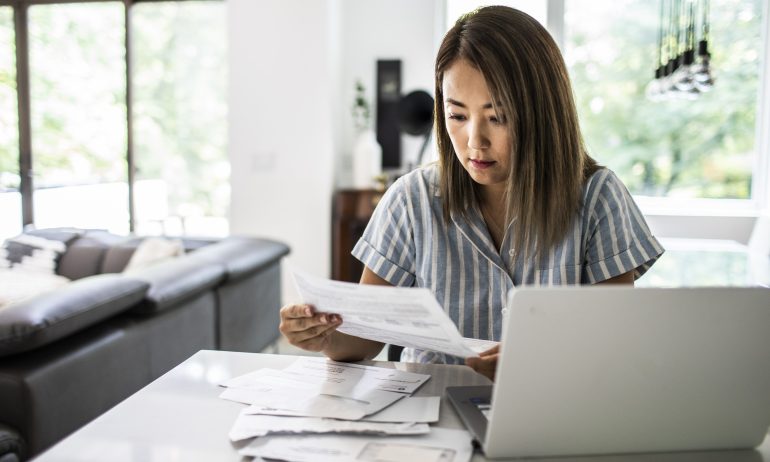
{"x": 78, "y": 110}
{"x": 675, "y": 148}
{"x": 10, "y": 198}
{"x": 88, "y": 144}
{"x": 179, "y": 80}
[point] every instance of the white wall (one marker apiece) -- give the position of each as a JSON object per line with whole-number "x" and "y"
{"x": 383, "y": 29}
{"x": 281, "y": 141}
{"x": 293, "y": 64}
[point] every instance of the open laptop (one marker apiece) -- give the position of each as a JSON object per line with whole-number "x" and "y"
{"x": 608, "y": 370}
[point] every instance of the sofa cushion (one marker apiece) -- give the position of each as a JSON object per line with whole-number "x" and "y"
{"x": 242, "y": 256}
{"x": 116, "y": 258}
{"x": 174, "y": 281}
{"x": 82, "y": 261}
{"x": 49, "y": 317}
{"x": 84, "y": 256}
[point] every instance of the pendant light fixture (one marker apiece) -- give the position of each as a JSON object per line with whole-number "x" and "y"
{"x": 680, "y": 72}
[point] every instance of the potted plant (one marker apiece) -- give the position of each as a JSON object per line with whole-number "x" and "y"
{"x": 367, "y": 152}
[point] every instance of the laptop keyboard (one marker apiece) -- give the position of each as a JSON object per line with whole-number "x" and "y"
{"x": 483, "y": 405}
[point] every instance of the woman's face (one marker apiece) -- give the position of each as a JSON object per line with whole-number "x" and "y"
{"x": 479, "y": 135}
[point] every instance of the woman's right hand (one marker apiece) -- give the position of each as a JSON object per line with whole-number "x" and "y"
{"x": 306, "y": 329}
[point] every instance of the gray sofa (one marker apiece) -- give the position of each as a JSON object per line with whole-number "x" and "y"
{"x": 69, "y": 355}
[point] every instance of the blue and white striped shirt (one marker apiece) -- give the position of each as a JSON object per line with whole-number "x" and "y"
{"x": 408, "y": 243}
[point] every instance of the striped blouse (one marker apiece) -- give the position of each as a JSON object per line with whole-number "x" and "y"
{"x": 408, "y": 243}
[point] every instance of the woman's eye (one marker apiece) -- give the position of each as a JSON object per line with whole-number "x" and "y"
{"x": 497, "y": 120}
{"x": 457, "y": 117}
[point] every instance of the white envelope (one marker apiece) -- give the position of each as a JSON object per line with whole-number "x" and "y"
{"x": 251, "y": 426}
{"x": 440, "y": 445}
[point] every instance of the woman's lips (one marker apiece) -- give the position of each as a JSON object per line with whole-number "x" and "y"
{"x": 482, "y": 164}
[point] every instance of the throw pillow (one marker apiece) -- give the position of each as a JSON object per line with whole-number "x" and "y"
{"x": 153, "y": 250}
{"x": 32, "y": 253}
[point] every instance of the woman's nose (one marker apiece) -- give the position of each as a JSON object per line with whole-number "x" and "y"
{"x": 477, "y": 140}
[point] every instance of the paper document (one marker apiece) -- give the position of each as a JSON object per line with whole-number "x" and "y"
{"x": 357, "y": 375}
{"x": 409, "y": 317}
{"x": 409, "y": 409}
{"x": 317, "y": 387}
{"x": 331, "y": 377}
{"x": 267, "y": 376}
{"x": 251, "y": 426}
{"x": 440, "y": 445}
{"x": 310, "y": 403}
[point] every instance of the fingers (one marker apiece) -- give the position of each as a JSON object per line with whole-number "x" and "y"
{"x": 305, "y": 328}
{"x": 297, "y": 311}
{"x": 312, "y": 332}
{"x": 318, "y": 342}
{"x": 296, "y": 318}
{"x": 484, "y": 365}
{"x": 492, "y": 351}
{"x": 290, "y": 314}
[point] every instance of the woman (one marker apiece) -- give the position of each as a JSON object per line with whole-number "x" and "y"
{"x": 514, "y": 199}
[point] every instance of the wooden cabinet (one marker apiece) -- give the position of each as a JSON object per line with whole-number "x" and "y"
{"x": 351, "y": 211}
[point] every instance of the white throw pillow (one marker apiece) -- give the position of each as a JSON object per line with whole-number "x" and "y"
{"x": 17, "y": 285}
{"x": 153, "y": 250}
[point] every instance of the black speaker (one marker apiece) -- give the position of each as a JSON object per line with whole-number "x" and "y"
{"x": 388, "y": 97}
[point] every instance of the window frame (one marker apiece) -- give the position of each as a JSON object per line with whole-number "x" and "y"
{"x": 21, "y": 36}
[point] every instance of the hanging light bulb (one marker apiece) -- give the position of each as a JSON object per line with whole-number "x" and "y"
{"x": 681, "y": 72}
{"x": 672, "y": 63}
{"x": 683, "y": 79}
{"x": 654, "y": 89}
{"x": 702, "y": 72}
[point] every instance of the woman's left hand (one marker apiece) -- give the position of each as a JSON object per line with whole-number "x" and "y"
{"x": 486, "y": 362}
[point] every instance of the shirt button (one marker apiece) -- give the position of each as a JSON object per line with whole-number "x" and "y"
{"x": 511, "y": 252}
{"x": 504, "y": 311}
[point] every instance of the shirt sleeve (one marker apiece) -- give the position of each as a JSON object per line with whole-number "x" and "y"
{"x": 387, "y": 245}
{"x": 619, "y": 239}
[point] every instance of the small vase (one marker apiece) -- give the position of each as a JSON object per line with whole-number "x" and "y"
{"x": 367, "y": 159}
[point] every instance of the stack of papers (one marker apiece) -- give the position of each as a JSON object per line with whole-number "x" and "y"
{"x": 322, "y": 410}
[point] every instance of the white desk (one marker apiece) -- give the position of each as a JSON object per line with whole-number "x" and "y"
{"x": 179, "y": 417}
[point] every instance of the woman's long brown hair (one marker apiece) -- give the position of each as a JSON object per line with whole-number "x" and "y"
{"x": 528, "y": 79}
